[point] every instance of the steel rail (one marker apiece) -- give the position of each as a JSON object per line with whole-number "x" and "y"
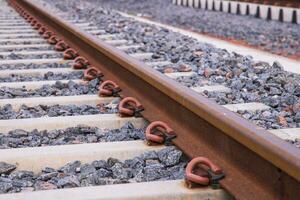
{"x": 257, "y": 164}
{"x": 287, "y": 3}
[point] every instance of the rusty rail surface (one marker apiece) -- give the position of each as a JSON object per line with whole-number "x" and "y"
{"x": 257, "y": 164}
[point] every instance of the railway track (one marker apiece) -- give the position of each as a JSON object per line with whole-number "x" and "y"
{"x": 285, "y": 11}
{"x": 265, "y": 166}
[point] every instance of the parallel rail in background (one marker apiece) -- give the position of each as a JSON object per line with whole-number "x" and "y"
{"x": 270, "y": 10}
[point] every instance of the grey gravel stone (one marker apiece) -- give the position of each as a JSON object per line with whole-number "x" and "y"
{"x": 74, "y": 135}
{"x": 7, "y": 112}
{"x": 6, "y": 168}
{"x": 21, "y": 174}
{"x": 12, "y": 49}
{"x": 99, "y": 172}
{"x": 87, "y": 169}
{"x": 57, "y": 89}
{"x": 16, "y": 56}
{"x": 273, "y": 36}
{"x": 70, "y": 168}
{"x": 118, "y": 171}
{"x": 102, "y": 173}
{"x": 269, "y": 119}
{"x": 153, "y": 172}
{"x": 47, "y": 76}
{"x": 68, "y": 182}
{"x": 100, "y": 164}
{"x": 5, "y": 187}
{"x": 48, "y": 176}
{"x": 34, "y": 66}
{"x": 169, "y": 156}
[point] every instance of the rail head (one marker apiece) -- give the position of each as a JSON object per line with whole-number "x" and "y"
{"x": 248, "y": 154}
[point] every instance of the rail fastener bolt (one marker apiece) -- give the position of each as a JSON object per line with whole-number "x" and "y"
{"x": 211, "y": 176}
{"x": 92, "y": 73}
{"x": 61, "y": 46}
{"x": 129, "y": 107}
{"x": 159, "y": 132}
{"x": 70, "y": 54}
{"x": 109, "y": 88}
{"x": 80, "y": 63}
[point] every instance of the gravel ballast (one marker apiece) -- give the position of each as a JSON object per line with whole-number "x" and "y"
{"x": 74, "y": 135}
{"x": 272, "y": 36}
{"x": 58, "y": 89}
{"x": 166, "y": 164}
{"x": 15, "y": 50}
{"x": 35, "y": 66}
{"x": 47, "y": 76}
{"x": 16, "y": 56}
{"x": 7, "y": 112}
{"x": 248, "y": 80}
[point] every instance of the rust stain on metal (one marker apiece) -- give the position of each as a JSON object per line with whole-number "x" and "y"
{"x": 257, "y": 164}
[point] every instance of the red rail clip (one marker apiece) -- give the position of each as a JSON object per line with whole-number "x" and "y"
{"x": 47, "y": 34}
{"x": 37, "y": 26}
{"x": 70, "y": 54}
{"x": 61, "y": 46}
{"x": 26, "y": 16}
{"x": 53, "y": 39}
{"x": 163, "y": 133}
{"x": 92, "y": 73}
{"x": 30, "y": 19}
{"x": 109, "y": 88}
{"x": 33, "y": 23}
{"x": 214, "y": 172}
{"x": 130, "y": 106}
{"x": 42, "y": 30}
{"x": 80, "y": 63}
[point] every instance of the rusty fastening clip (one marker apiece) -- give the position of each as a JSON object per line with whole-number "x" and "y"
{"x": 37, "y": 26}
{"x": 163, "y": 134}
{"x": 214, "y": 172}
{"x": 80, "y": 63}
{"x": 33, "y": 22}
{"x": 53, "y": 39}
{"x": 130, "y": 106}
{"x": 109, "y": 88}
{"x": 47, "y": 34}
{"x": 70, "y": 54}
{"x": 92, "y": 73}
{"x": 26, "y": 16}
{"x": 61, "y": 46}
{"x": 30, "y": 19}
{"x": 42, "y": 30}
